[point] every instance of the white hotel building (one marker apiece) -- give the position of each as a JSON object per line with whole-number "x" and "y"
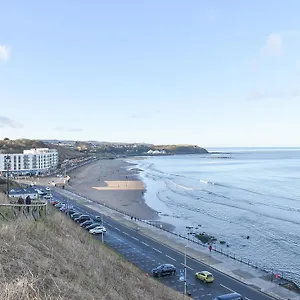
{"x": 34, "y": 161}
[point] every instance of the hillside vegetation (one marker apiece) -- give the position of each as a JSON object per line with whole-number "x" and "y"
{"x": 180, "y": 149}
{"x": 17, "y": 146}
{"x": 53, "y": 258}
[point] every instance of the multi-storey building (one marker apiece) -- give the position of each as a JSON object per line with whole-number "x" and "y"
{"x": 40, "y": 160}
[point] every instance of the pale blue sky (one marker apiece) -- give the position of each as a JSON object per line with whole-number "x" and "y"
{"x": 213, "y": 73}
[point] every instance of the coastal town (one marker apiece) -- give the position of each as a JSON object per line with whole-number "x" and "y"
{"x": 73, "y": 177}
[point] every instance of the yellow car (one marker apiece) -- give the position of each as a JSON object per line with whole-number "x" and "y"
{"x": 205, "y": 276}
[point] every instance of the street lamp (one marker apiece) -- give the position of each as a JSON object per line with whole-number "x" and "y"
{"x": 102, "y": 235}
{"x": 7, "y": 160}
{"x": 185, "y": 285}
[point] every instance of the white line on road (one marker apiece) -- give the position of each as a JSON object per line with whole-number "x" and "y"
{"x": 135, "y": 238}
{"x": 188, "y": 267}
{"x": 125, "y": 233}
{"x": 117, "y": 229}
{"x": 109, "y": 224}
{"x": 246, "y": 298}
{"x": 145, "y": 244}
{"x": 225, "y": 287}
{"x": 170, "y": 257}
{"x": 157, "y": 250}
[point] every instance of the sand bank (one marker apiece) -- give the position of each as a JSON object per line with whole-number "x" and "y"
{"x": 110, "y": 182}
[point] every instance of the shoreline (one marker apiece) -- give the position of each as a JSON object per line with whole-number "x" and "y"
{"x": 111, "y": 182}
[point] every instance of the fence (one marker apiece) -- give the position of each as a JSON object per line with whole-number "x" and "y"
{"x": 35, "y": 210}
{"x": 286, "y": 279}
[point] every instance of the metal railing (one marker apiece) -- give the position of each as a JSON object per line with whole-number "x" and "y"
{"x": 36, "y": 210}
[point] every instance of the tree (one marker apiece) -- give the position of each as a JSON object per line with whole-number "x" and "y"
{"x": 6, "y": 139}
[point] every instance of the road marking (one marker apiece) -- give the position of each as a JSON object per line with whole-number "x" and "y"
{"x": 135, "y": 238}
{"x": 225, "y": 287}
{"x": 117, "y": 229}
{"x": 246, "y": 298}
{"x": 109, "y": 224}
{"x": 170, "y": 257}
{"x": 157, "y": 250}
{"x": 187, "y": 266}
{"x": 125, "y": 233}
{"x": 145, "y": 244}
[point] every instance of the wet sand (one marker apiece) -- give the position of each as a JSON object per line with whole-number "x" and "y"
{"x": 109, "y": 182}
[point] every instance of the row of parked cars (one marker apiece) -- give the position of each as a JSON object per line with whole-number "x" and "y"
{"x": 93, "y": 224}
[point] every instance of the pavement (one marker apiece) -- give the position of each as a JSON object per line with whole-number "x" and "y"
{"x": 148, "y": 246}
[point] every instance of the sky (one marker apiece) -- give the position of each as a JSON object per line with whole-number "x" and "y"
{"x": 212, "y": 73}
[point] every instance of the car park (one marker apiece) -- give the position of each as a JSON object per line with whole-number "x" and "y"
{"x": 164, "y": 269}
{"x": 205, "y": 276}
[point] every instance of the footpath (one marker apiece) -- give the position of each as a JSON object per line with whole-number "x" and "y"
{"x": 250, "y": 276}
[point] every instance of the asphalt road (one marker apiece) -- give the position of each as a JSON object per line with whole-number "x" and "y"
{"x": 147, "y": 254}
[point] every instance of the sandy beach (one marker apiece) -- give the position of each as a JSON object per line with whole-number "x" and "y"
{"x": 109, "y": 182}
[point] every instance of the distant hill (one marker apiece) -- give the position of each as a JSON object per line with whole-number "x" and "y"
{"x": 180, "y": 149}
{"x": 17, "y": 146}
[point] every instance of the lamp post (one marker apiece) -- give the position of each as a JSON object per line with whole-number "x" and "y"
{"x": 7, "y": 160}
{"x": 185, "y": 285}
{"x": 102, "y": 235}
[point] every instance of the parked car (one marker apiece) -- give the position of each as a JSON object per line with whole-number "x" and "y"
{"x": 98, "y": 219}
{"x": 87, "y": 223}
{"x": 75, "y": 215}
{"x": 54, "y": 202}
{"x": 82, "y": 218}
{"x": 72, "y": 211}
{"x": 48, "y": 197}
{"x": 98, "y": 230}
{"x": 92, "y": 226}
{"x": 232, "y": 296}
{"x": 48, "y": 189}
{"x": 59, "y": 205}
{"x": 165, "y": 269}
{"x": 205, "y": 276}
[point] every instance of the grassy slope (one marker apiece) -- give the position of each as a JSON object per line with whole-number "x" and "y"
{"x": 55, "y": 259}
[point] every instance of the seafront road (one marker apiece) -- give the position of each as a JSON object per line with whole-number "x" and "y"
{"x": 147, "y": 253}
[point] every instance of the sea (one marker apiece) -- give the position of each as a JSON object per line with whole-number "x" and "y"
{"x": 247, "y": 197}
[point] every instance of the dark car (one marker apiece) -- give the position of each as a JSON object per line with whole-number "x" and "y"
{"x": 82, "y": 218}
{"x": 72, "y": 211}
{"x": 93, "y": 225}
{"x": 98, "y": 219}
{"x": 87, "y": 223}
{"x": 165, "y": 269}
{"x": 232, "y": 296}
{"x": 75, "y": 215}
